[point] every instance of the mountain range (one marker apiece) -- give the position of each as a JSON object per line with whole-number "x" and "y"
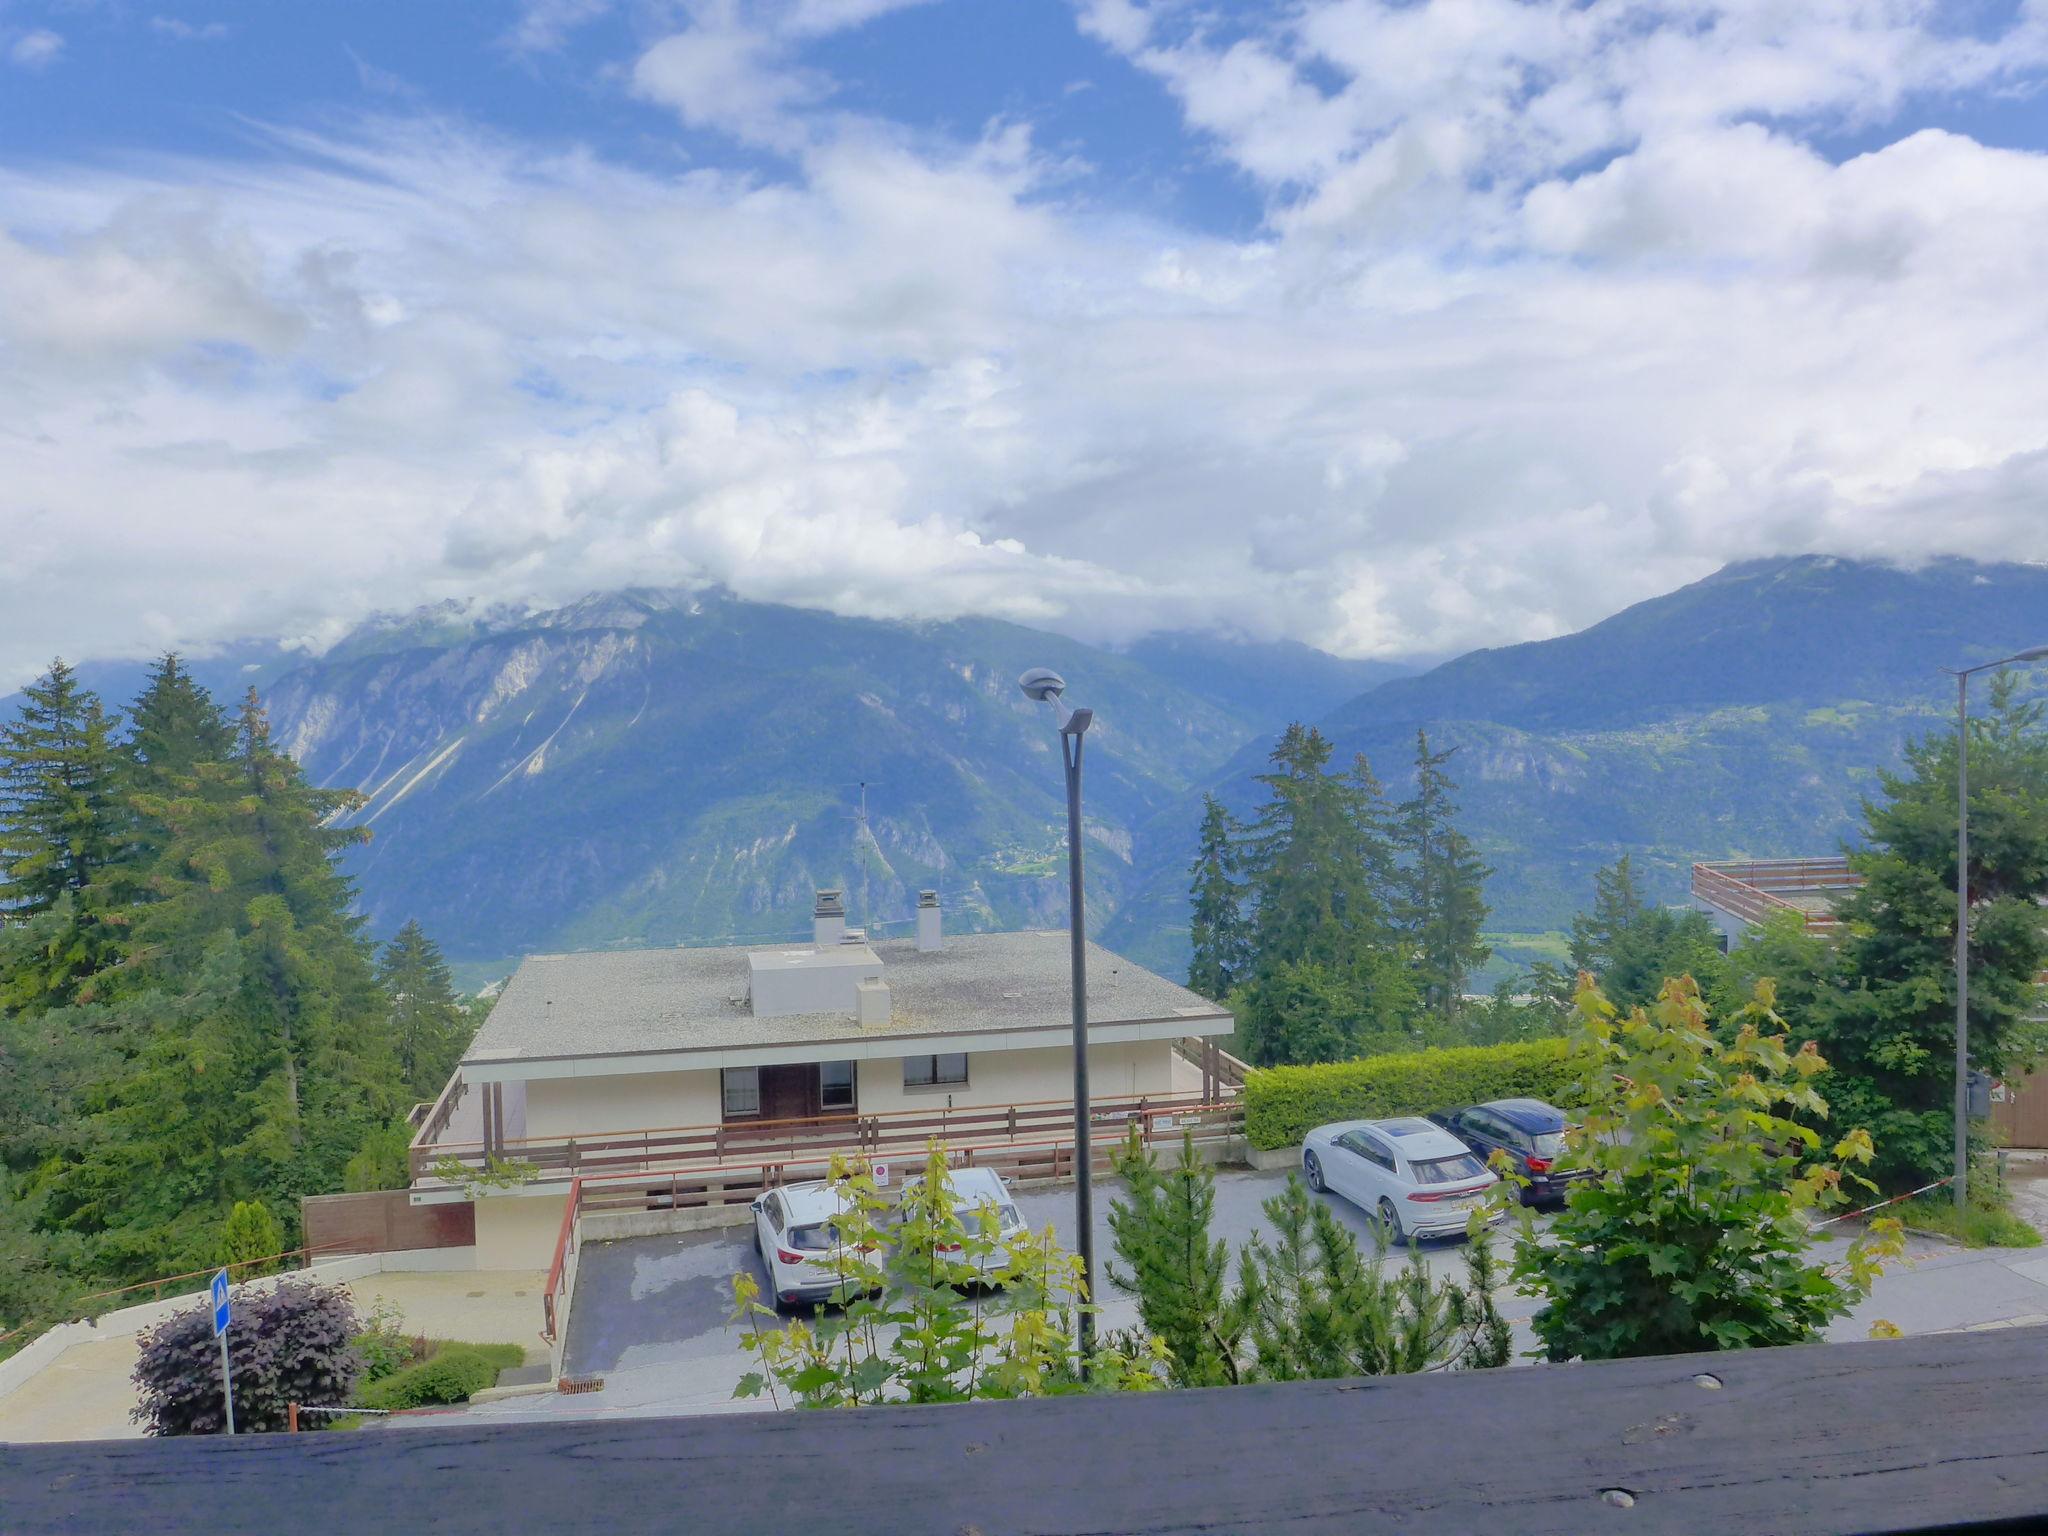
{"x": 660, "y": 766}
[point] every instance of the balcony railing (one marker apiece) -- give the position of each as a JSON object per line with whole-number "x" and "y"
{"x": 814, "y": 1139}
{"x": 1758, "y": 889}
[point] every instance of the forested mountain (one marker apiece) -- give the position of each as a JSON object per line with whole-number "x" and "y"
{"x": 1745, "y": 715}
{"x": 655, "y": 766}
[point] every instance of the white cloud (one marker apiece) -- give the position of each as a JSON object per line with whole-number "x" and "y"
{"x": 1542, "y": 322}
{"x": 188, "y": 32}
{"x": 36, "y": 49}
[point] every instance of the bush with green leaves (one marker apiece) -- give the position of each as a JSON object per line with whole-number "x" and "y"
{"x": 1309, "y": 1302}
{"x": 287, "y": 1344}
{"x": 250, "y": 1234}
{"x": 913, "y": 1320}
{"x": 384, "y": 1346}
{"x": 1282, "y": 1104}
{"x": 452, "y": 1374}
{"x": 1695, "y": 1235}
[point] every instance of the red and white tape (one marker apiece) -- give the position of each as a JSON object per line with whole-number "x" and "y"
{"x": 1895, "y": 1199}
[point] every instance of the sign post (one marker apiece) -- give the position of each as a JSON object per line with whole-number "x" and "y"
{"x": 220, "y": 1331}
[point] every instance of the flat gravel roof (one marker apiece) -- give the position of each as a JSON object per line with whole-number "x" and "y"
{"x": 615, "y": 1002}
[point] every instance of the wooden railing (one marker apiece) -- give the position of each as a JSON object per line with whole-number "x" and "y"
{"x": 1222, "y": 1073}
{"x": 816, "y": 1137}
{"x": 421, "y": 1153}
{"x": 1754, "y": 889}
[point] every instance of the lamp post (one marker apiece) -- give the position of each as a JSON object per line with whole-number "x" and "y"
{"x": 1962, "y": 676}
{"x": 1048, "y": 687}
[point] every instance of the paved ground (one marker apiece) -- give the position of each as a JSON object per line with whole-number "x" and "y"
{"x": 85, "y": 1393}
{"x": 649, "y": 1313}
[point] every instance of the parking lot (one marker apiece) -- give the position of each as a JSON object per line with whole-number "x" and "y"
{"x": 649, "y": 1313}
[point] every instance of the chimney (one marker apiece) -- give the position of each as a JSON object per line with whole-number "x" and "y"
{"x": 927, "y": 921}
{"x": 828, "y": 921}
{"x": 871, "y": 1002}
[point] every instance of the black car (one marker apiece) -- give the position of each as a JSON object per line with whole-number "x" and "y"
{"x": 1529, "y": 1131}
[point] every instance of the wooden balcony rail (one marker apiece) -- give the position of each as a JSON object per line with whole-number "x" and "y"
{"x": 1935, "y": 1433}
{"x": 782, "y": 1140}
{"x": 435, "y": 1122}
{"x": 1756, "y": 889}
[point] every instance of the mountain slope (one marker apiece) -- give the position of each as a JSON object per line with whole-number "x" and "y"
{"x": 1745, "y": 715}
{"x": 649, "y": 767}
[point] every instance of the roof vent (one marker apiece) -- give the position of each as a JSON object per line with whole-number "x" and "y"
{"x": 871, "y": 1002}
{"x": 828, "y": 920}
{"x": 928, "y": 921}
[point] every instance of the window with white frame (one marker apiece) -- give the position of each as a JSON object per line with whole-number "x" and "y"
{"x": 935, "y": 1071}
{"x": 742, "y": 1091}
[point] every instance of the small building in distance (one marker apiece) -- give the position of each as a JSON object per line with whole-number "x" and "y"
{"x": 655, "y": 1058}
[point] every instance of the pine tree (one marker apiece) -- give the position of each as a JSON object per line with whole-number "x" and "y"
{"x": 1444, "y": 907}
{"x": 1160, "y": 1225}
{"x": 61, "y": 826}
{"x": 1216, "y": 929}
{"x": 429, "y": 1028}
{"x": 1888, "y": 1021}
{"x": 174, "y": 726}
{"x": 1617, "y": 905}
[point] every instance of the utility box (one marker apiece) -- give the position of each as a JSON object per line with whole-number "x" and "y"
{"x": 1978, "y": 1089}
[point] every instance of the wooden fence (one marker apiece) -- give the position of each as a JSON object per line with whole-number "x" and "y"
{"x": 1756, "y": 889}
{"x": 384, "y": 1221}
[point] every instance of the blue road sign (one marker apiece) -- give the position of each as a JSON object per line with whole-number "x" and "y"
{"x": 220, "y": 1303}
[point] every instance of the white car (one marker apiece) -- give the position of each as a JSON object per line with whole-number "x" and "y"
{"x": 795, "y": 1232}
{"x": 1417, "y": 1178}
{"x": 974, "y": 1191}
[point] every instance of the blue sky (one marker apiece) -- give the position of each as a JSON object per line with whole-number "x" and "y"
{"x": 1393, "y": 326}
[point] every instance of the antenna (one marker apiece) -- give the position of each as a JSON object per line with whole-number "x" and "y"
{"x": 860, "y": 817}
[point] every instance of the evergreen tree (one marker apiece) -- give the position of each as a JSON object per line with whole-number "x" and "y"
{"x": 174, "y": 726}
{"x": 261, "y": 1042}
{"x": 1216, "y": 920}
{"x": 1617, "y": 905}
{"x": 429, "y": 1028}
{"x": 60, "y": 832}
{"x": 1160, "y": 1225}
{"x": 1888, "y": 1021}
{"x": 1444, "y": 906}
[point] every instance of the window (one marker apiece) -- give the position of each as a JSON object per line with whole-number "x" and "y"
{"x": 932, "y": 1071}
{"x": 742, "y": 1091}
{"x": 1449, "y": 1170}
{"x": 1550, "y": 1144}
{"x": 835, "y": 1085}
{"x": 820, "y": 1237}
{"x": 1367, "y": 1148}
{"x": 772, "y": 1206}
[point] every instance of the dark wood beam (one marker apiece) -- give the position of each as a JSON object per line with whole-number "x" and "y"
{"x": 1935, "y": 1433}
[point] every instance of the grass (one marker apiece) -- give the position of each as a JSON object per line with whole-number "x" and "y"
{"x": 442, "y": 1371}
{"x": 1976, "y": 1226}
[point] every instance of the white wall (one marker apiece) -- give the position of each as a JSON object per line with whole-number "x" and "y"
{"x": 518, "y": 1231}
{"x": 1023, "y": 1077}
{"x": 574, "y": 1106}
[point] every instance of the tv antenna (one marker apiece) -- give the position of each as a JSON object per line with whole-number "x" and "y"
{"x": 866, "y": 837}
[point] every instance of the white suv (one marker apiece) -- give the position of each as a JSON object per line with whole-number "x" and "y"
{"x": 795, "y": 1232}
{"x": 975, "y": 1192}
{"x": 1417, "y": 1178}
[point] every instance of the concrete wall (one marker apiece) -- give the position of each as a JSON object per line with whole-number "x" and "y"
{"x": 516, "y": 1231}
{"x": 1023, "y": 1077}
{"x": 573, "y": 1106}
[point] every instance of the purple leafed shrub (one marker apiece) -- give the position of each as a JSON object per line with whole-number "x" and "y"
{"x": 286, "y": 1345}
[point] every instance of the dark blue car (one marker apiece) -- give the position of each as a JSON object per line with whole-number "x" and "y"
{"x": 1530, "y": 1132}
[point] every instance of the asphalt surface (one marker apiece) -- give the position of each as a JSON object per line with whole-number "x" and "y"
{"x": 650, "y": 1313}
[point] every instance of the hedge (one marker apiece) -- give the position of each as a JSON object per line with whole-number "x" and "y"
{"x": 450, "y": 1375}
{"x": 1282, "y": 1104}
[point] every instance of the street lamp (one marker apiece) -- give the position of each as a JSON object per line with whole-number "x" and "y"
{"x": 1962, "y": 676}
{"x": 1048, "y": 687}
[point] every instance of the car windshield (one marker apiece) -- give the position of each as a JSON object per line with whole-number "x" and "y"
{"x": 1550, "y": 1144}
{"x": 1448, "y": 1170}
{"x": 817, "y": 1238}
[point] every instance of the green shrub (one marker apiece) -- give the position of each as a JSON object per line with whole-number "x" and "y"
{"x": 450, "y": 1376}
{"x": 1282, "y": 1104}
{"x": 1983, "y": 1223}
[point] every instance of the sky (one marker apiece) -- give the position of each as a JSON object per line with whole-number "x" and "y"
{"x": 1397, "y": 327}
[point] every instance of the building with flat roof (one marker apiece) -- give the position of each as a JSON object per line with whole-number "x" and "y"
{"x": 655, "y": 1058}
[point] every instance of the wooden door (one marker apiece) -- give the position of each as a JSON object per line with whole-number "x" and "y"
{"x": 789, "y": 1092}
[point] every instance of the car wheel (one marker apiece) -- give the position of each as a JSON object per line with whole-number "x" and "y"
{"x": 1391, "y": 1220}
{"x": 1312, "y": 1170}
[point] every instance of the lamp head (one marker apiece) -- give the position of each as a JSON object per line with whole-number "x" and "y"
{"x": 2035, "y": 654}
{"x": 1042, "y": 683}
